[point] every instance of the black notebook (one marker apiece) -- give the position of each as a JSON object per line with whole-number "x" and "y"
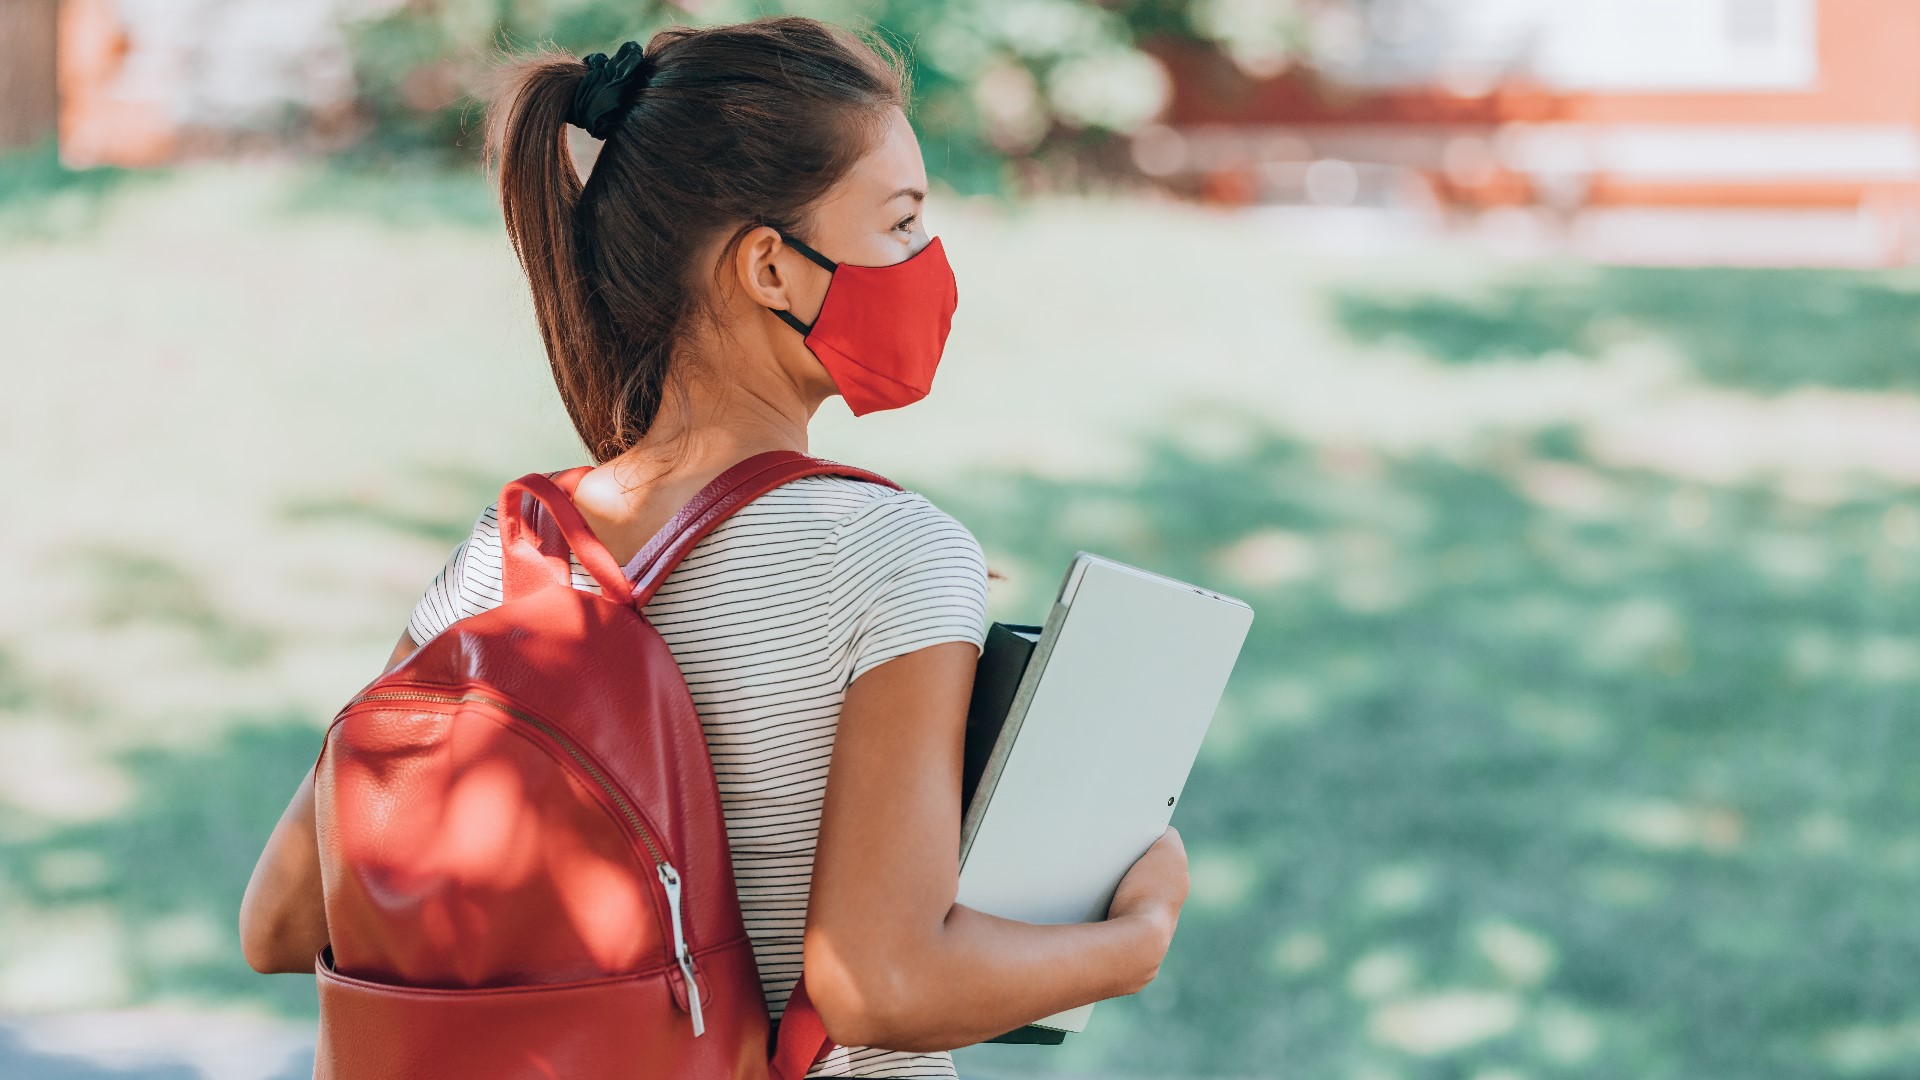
{"x": 1003, "y": 659}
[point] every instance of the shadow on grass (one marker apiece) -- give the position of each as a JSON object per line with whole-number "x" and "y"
{"x": 1623, "y": 792}
{"x": 173, "y": 865}
{"x": 1538, "y": 767}
{"x": 130, "y": 586}
{"x": 1763, "y": 330}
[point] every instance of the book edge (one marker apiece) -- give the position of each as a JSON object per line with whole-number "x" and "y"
{"x": 1010, "y": 729}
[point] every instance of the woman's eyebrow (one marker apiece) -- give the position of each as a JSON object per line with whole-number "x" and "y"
{"x": 919, "y": 195}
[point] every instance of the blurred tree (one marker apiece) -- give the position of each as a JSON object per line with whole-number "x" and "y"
{"x": 1008, "y": 94}
{"x": 29, "y": 91}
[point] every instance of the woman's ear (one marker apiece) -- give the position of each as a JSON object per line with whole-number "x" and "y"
{"x": 758, "y": 273}
{"x": 771, "y": 273}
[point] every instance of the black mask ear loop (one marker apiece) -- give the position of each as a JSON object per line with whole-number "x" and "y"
{"x": 828, "y": 264}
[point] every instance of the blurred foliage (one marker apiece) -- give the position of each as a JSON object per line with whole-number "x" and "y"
{"x": 1050, "y": 84}
{"x": 42, "y": 198}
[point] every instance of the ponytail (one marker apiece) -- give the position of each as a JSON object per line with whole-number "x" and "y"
{"x": 539, "y": 192}
{"x": 737, "y": 125}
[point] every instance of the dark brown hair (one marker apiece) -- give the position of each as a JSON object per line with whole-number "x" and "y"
{"x": 739, "y": 125}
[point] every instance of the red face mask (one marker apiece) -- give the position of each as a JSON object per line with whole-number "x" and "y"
{"x": 881, "y": 329}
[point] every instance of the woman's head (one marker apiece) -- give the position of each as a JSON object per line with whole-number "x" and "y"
{"x": 734, "y": 135}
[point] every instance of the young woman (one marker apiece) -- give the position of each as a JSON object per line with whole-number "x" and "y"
{"x": 828, "y": 630}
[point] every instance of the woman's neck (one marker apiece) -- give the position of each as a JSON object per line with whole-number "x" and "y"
{"x": 718, "y": 429}
{"x": 631, "y": 497}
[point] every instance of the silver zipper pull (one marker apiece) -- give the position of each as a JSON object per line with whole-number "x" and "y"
{"x": 671, "y": 880}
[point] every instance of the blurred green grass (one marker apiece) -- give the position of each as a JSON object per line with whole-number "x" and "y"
{"x": 1764, "y": 330}
{"x": 1543, "y": 759}
{"x": 1498, "y": 787}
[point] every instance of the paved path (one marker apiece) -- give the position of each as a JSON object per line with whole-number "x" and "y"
{"x": 154, "y": 1044}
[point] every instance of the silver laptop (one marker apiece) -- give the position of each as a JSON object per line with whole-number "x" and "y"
{"x": 1104, "y": 726}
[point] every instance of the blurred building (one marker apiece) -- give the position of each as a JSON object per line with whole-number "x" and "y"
{"x": 1685, "y": 131}
{"x": 143, "y": 82}
{"x": 1745, "y": 131}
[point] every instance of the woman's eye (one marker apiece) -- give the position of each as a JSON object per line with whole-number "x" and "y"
{"x": 906, "y": 223}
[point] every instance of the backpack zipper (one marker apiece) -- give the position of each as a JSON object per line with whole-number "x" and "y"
{"x": 671, "y": 880}
{"x": 669, "y": 877}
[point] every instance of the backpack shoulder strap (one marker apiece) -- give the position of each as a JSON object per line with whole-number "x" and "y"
{"x": 727, "y": 492}
{"x": 529, "y": 558}
{"x": 799, "y": 1038}
{"x": 533, "y": 557}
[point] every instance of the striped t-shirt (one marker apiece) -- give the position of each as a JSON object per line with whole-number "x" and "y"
{"x": 770, "y": 616}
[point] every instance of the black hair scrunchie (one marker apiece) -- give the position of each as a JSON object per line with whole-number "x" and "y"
{"x": 606, "y": 92}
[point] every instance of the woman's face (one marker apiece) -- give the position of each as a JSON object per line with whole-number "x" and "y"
{"x": 873, "y": 216}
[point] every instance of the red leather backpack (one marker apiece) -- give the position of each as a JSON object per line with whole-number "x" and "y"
{"x": 522, "y": 850}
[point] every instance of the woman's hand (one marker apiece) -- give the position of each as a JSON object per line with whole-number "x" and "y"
{"x": 1152, "y": 892}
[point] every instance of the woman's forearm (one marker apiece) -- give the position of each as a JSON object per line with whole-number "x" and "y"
{"x": 283, "y": 920}
{"x": 984, "y": 975}
{"x": 283, "y": 917}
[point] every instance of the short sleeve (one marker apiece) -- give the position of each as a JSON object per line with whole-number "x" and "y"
{"x": 436, "y": 610}
{"x": 445, "y": 602}
{"x": 906, "y": 576}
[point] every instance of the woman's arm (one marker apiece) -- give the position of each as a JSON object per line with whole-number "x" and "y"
{"x": 283, "y": 919}
{"x": 890, "y": 959}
